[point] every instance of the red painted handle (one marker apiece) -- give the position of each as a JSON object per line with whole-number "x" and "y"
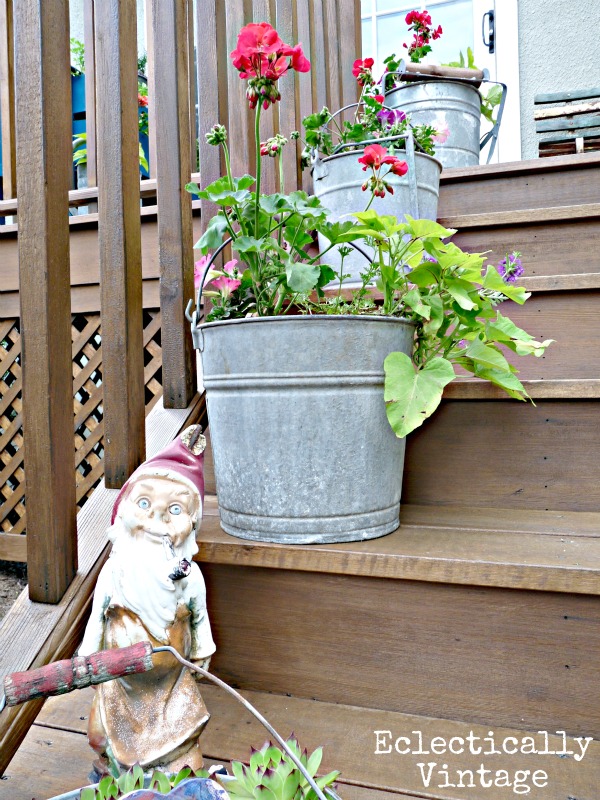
{"x": 77, "y": 672}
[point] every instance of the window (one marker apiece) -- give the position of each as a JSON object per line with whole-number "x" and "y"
{"x": 384, "y": 30}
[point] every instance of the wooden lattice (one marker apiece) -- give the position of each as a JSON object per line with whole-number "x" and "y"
{"x": 87, "y": 407}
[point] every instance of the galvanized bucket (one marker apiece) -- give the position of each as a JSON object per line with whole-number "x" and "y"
{"x": 337, "y": 182}
{"x": 303, "y": 451}
{"x": 444, "y": 104}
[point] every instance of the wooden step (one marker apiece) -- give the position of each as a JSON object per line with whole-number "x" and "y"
{"x": 58, "y": 747}
{"x": 425, "y": 620}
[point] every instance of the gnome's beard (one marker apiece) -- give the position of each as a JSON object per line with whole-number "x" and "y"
{"x": 141, "y": 566}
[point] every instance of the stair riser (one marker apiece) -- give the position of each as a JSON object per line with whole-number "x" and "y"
{"x": 558, "y": 248}
{"x": 507, "y": 191}
{"x": 506, "y": 454}
{"x": 499, "y": 657}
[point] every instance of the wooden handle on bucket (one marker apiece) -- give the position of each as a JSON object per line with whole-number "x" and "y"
{"x": 77, "y": 672}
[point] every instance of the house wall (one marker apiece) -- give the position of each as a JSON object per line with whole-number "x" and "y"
{"x": 558, "y": 51}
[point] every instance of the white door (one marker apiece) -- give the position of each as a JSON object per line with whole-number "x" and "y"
{"x": 465, "y": 23}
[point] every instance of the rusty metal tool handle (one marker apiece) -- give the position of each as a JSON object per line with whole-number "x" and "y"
{"x": 77, "y": 672}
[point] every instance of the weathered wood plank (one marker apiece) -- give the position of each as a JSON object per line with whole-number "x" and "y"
{"x": 318, "y": 49}
{"x": 150, "y": 72}
{"x": 119, "y": 238}
{"x": 350, "y": 46}
{"x": 43, "y": 114}
{"x": 212, "y": 95}
{"x": 7, "y": 100}
{"x": 240, "y": 121}
{"x": 553, "y": 389}
{"x": 89, "y": 43}
{"x": 174, "y": 203}
{"x": 558, "y": 97}
{"x": 13, "y": 547}
{"x": 33, "y": 634}
{"x": 288, "y": 88}
{"x": 566, "y": 111}
{"x": 435, "y": 553}
{"x": 572, "y": 124}
{"x": 333, "y": 61}
{"x": 305, "y": 97}
{"x": 522, "y": 217}
{"x": 546, "y": 453}
{"x": 346, "y": 732}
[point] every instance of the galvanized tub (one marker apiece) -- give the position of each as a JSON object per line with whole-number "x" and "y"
{"x": 337, "y": 182}
{"x": 444, "y": 104}
{"x": 303, "y": 451}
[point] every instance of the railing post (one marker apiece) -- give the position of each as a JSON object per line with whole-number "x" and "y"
{"x": 173, "y": 156}
{"x": 44, "y": 164}
{"x": 7, "y": 100}
{"x": 119, "y": 235}
{"x": 90, "y": 89}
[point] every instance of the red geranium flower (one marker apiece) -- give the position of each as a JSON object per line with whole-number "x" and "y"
{"x": 262, "y": 58}
{"x": 142, "y": 100}
{"x": 373, "y": 156}
{"x": 379, "y": 97}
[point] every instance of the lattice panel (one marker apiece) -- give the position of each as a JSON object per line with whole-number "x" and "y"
{"x": 87, "y": 407}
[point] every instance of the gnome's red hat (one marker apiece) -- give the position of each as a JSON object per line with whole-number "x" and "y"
{"x": 182, "y": 460}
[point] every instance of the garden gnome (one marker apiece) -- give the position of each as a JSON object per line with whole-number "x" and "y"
{"x": 150, "y": 589}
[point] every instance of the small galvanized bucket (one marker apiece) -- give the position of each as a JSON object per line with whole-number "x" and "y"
{"x": 303, "y": 451}
{"x": 446, "y": 105}
{"x": 338, "y": 180}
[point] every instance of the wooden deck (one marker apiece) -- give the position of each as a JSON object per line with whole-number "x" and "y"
{"x": 57, "y": 746}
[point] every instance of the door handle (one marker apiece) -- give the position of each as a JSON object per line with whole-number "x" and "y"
{"x": 491, "y": 31}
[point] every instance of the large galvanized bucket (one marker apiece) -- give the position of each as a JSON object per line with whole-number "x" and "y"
{"x": 337, "y": 182}
{"x": 446, "y": 105}
{"x": 303, "y": 451}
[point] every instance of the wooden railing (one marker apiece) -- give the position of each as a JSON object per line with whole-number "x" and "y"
{"x": 191, "y": 86}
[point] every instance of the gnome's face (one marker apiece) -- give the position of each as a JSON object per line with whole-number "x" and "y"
{"x": 160, "y": 507}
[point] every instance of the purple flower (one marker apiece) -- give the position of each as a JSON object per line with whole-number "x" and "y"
{"x": 511, "y": 267}
{"x": 390, "y": 117}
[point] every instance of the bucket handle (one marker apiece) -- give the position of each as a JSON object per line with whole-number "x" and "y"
{"x": 106, "y": 665}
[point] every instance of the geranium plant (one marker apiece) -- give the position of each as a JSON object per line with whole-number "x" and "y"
{"x": 324, "y": 133}
{"x": 269, "y": 234}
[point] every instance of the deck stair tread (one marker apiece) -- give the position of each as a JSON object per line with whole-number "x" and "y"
{"x": 537, "y": 550}
{"x": 58, "y": 746}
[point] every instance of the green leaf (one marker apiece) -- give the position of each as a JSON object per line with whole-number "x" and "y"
{"x": 88, "y": 794}
{"x": 213, "y": 235}
{"x": 326, "y": 276}
{"x": 427, "y": 274}
{"x": 105, "y": 784}
{"x": 264, "y": 793}
{"x": 248, "y": 244}
{"x": 274, "y": 204}
{"x": 426, "y": 228}
{"x": 290, "y": 785}
{"x": 314, "y": 762}
{"x": 138, "y": 776}
{"x": 181, "y": 776}
{"x": 160, "y": 781}
{"x": 492, "y": 280}
{"x": 505, "y": 380}
{"x": 192, "y": 188}
{"x": 413, "y": 395}
{"x": 338, "y": 232}
{"x": 487, "y": 356}
{"x": 459, "y": 290}
{"x": 436, "y": 308}
{"x": 302, "y": 277}
{"x": 413, "y": 299}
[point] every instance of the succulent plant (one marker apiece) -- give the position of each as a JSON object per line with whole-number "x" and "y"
{"x": 272, "y": 775}
{"x": 132, "y": 780}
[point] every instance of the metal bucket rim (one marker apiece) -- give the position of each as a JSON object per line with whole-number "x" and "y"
{"x": 353, "y": 153}
{"x": 408, "y": 84}
{"x": 312, "y": 317}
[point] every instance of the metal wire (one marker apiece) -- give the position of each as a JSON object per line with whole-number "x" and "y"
{"x": 251, "y": 709}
